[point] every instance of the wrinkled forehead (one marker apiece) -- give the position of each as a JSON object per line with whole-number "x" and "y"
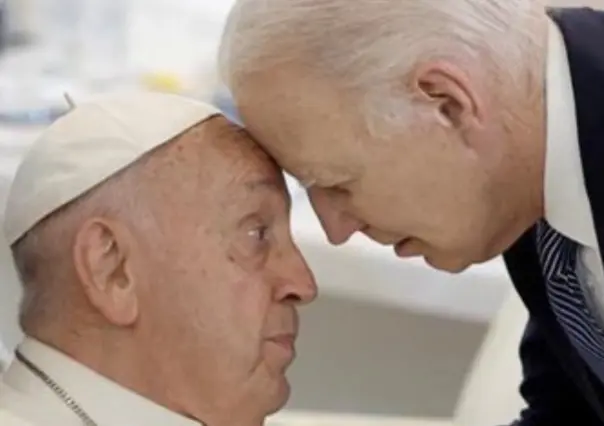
{"x": 303, "y": 122}
{"x": 217, "y": 156}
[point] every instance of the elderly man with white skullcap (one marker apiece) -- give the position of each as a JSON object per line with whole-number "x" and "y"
{"x": 161, "y": 283}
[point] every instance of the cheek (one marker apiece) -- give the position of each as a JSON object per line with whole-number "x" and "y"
{"x": 251, "y": 301}
{"x": 222, "y": 320}
{"x": 213, "y": 299}
{"x": 231, "y": 306}
{"x": 383, "y": 200}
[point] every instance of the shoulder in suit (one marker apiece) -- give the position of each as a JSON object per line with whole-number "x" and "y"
{"x": 559, "y": 386}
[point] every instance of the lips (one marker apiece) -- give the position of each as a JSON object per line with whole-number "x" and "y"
{"x": 286, "y": 342}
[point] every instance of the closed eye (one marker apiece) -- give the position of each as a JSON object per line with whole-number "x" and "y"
{"x": 337, "y": 190}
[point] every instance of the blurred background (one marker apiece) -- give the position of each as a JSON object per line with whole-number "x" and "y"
{"x": 388, "y": 342}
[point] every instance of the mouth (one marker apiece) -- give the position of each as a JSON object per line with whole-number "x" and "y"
{"x": 286, "y": 342}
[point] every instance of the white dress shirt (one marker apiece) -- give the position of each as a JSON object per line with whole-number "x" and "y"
{"x": 25, "y": 400}
{"x": 567, "y": 206}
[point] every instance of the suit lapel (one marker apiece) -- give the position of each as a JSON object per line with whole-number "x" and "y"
{"x": 524, "y": 266}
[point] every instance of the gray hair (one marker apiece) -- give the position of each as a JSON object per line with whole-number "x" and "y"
{"x": 369, "y": 45}
{"x": 43, "y": 257}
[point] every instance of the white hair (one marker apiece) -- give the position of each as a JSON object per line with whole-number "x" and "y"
{"x": 370, "y": 45}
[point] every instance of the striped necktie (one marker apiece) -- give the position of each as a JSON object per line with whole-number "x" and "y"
{"x": 558, "y": 255}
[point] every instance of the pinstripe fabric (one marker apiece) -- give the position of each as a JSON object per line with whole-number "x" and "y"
{"x": 558, "y": 256}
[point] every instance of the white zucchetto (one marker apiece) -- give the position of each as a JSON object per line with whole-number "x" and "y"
{"x": 89, "y": 144}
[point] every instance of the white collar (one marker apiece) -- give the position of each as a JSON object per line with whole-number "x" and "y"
{"x": 567, "y": 206}
{"x": 106, "y": 402}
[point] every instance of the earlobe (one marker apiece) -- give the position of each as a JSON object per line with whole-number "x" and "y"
{"x": 101, "y": 260}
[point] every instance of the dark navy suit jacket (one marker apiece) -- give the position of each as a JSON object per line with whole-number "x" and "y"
{"x": 558, "y": 386}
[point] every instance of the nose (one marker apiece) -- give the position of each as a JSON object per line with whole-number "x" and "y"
{"x": 298, "y": 284}
{"x": 338, "y": 225}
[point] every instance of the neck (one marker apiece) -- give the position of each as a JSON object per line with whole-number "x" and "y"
{"x": 113, "y": 355}
{"x": 536, "y": 141}
{"x": 529, "y": 122}
{"x": 522, "y": 177}
{"x": 116, "y": 356}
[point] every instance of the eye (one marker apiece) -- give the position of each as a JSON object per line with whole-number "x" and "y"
{"x": 259, "y": 233}
{"x": 338, "y": 189}
{"x": 335, "y": 191}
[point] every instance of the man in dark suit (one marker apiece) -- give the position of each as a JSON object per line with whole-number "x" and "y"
{"x": 456, "y": 131}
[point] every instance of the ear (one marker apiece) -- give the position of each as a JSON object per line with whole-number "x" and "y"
{"x": 102, "y": 262}
{"x": 449, "y": 88}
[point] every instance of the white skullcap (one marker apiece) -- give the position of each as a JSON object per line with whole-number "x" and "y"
{"x": 91, "y": 143}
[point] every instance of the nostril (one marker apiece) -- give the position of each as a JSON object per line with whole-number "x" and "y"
{"x": 293, "y": 298}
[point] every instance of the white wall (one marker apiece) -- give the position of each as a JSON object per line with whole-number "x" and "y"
{"x": 363, "y": 358}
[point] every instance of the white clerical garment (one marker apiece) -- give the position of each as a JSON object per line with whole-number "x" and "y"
{"x": 26, "y": 400}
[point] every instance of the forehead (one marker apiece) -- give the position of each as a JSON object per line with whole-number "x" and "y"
{"x": 305, "y": 123}
{"x": 216, "y": 158}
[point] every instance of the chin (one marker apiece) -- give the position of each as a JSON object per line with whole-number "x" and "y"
{"x": 279, "y": 396}
{"x": 453, "y": 266}
{"x": 280, "y": 399}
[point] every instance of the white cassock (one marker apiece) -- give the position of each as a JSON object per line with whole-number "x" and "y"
{"x": 26, "y": 400}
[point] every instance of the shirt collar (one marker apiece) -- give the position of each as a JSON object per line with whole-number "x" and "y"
{"x": 106, "y": 402}
{"x": 567, "y": 206}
